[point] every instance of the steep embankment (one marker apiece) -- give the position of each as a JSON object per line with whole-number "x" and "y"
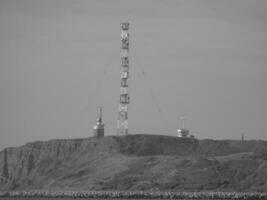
{"x": 135, "y": 162}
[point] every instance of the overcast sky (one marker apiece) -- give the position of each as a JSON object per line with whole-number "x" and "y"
{"x": 60, "y": 59}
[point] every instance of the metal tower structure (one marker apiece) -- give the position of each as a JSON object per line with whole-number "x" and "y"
{"x": 122, "y": 124}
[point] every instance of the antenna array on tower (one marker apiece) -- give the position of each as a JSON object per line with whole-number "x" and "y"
{"x": 122, "y": 126}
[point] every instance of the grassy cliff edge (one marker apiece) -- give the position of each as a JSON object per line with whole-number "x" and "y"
{"x": 136, "y": 162}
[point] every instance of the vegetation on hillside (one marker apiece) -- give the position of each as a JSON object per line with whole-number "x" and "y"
{"x": 134, "y": 163}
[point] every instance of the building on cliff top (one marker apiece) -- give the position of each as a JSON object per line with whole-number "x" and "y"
{"x": 99, "y": 126}
{"x": 182, "y": 132}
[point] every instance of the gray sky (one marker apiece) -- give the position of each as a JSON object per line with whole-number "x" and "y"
{"x": 204, "y": 59}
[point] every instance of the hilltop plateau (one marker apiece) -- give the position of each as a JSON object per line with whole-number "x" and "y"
{"x": 136, "y": 162}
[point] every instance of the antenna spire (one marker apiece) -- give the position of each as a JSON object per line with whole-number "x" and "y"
{"x": 182, "y": 120}
{"x": 100, "y": 115}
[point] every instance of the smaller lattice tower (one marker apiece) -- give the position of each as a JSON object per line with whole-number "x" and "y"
{"x": 122, "y": 124}
{"x": 99, "y": 127}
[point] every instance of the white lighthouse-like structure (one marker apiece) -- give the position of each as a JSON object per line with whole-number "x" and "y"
{"x": 122, "y": 123}
{"x": 99, "y": 126}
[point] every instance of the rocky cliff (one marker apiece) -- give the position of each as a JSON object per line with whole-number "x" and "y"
{"x": 135, "y": 162}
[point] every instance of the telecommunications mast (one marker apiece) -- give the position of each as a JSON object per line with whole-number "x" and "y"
{"x": 122, "y": 124}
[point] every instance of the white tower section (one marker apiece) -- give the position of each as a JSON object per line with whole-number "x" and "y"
{"x": 99, "y": 127}
{"x": 122, "y": 125}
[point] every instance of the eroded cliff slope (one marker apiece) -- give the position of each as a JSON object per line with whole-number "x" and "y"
{"x": 135, "y": 162}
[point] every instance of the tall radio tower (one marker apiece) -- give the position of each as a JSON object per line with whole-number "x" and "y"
{"x": 122, "y": 126}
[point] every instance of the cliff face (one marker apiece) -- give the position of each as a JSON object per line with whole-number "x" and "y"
{"x": 135, "y": 162}
{"x": 33, "y": 165}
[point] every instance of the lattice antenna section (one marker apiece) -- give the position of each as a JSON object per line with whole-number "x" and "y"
{"x": 122, "y": 126}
